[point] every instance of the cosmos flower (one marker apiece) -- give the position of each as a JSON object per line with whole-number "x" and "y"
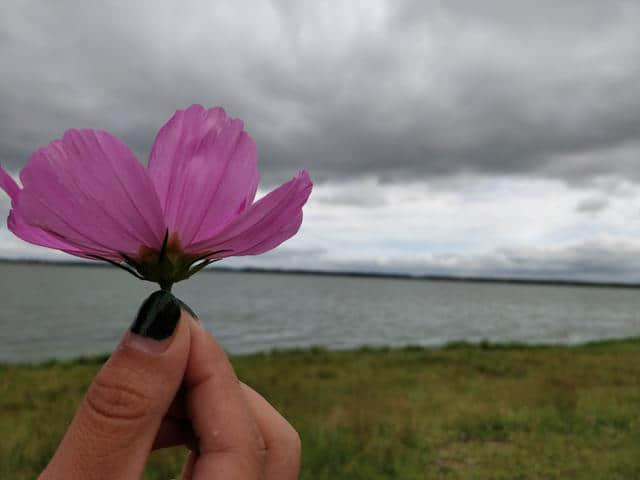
{"x": 86, "y": 194}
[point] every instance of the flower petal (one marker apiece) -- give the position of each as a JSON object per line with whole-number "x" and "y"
{"x": 8, "y": 184}
{"x": 285, "y": 232}
{"x": 265, "y": 225}
{"x": 38, "y": 236}
{"x": 204, "y": 168}
{"x": 89, "y": 190}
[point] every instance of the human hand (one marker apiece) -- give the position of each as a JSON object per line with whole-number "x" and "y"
{"x": 171, "y": 383}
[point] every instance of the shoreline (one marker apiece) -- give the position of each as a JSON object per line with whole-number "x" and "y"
{"x": 362, "y": 274}
{"x": 365, "y": 349}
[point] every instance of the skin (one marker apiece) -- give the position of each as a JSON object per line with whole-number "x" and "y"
{"x": 179, "y": 391}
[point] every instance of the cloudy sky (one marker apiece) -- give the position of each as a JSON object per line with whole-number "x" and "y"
{"x": 494, "y": 138}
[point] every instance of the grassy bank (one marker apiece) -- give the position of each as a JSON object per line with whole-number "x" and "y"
{"x": 499, "y": 412}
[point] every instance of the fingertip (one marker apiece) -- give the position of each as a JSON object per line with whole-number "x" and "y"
{"x": 158, "y": 316}
{"x": 188, "y": 309}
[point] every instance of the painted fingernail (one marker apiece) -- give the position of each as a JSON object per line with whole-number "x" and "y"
{"x": 158, "y": 316}
{"x": 188, "y": 309}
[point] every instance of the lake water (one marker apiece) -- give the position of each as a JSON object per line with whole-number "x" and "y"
{"x": 65, "y": 311}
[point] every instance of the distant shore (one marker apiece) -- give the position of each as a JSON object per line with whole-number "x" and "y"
{"x": 363, "y": 274}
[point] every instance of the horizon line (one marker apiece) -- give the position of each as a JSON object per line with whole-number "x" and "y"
{"x": 513, "y": 280}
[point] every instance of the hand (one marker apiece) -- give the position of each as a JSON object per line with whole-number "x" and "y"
{"x": 170, "y": 383}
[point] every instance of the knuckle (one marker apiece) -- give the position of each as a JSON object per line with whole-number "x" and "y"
{"x": 259, "y": 448}
{"x": 117, "y": 400}
{"x": 296, "y": 441}
{"x": 291, "y": 441}
{"x": 251, "y": 464}
{"x": 260, "y": 455}
{"x": 289, "y": 449}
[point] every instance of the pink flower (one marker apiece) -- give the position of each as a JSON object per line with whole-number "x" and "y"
{"x": 193, "y": 204}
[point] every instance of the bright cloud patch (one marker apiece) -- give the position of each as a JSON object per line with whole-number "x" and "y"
{"x": 476, "y": 226}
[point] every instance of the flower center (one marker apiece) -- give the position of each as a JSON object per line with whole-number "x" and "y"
{"x": 168, "y": 265}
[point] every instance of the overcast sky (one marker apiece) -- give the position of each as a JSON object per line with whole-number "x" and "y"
{"x": 461, "y": 137}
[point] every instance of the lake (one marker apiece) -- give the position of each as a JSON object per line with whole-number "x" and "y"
{"x": 58, "y": 311}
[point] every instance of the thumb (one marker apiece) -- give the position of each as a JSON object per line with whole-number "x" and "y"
{"x": 115, "y": 426}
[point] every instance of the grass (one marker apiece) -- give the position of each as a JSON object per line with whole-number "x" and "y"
{"x": 464, "y": 411}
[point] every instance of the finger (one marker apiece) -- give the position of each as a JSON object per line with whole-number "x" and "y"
{"x": 282, "y": 457}
{"x": 114, "y": 428}
{"x": 178, "y": 409}
{"x": 175, "y": 428}
{"x": 174, "y": 432}
{"x": 230, "y": 444}
{"x": 187, "y": 471}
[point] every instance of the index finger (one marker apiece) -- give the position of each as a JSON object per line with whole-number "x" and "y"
{"x": 229, "y": 440}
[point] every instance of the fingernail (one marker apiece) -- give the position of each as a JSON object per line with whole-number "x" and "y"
{"x": 188, "y": 309}
{"x": 157, "y": 317}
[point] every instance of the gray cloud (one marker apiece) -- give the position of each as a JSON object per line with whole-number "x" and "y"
{"x": 592, "y": 205}
{"x": 393, "y": 89}
{"x": 366, "y": 194}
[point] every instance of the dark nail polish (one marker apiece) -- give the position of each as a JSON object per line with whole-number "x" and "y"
{"x": 158, "y": 316}
{"x": 188, "y": 309}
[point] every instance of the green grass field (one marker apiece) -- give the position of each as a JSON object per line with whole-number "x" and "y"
{"x": 477, "y": 412}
